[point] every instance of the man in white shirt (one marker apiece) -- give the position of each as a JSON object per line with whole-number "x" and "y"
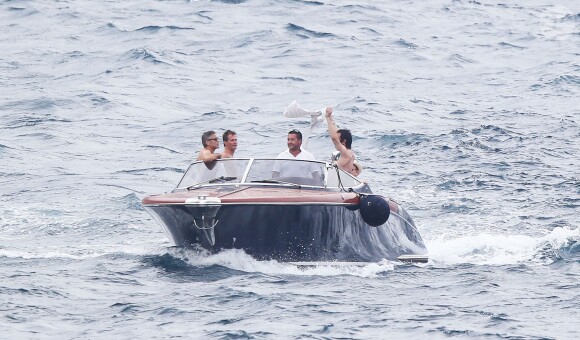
{"x": 295, "y": 169}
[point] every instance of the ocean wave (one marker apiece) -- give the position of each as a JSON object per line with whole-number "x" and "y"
{"x": 501, "y": 249}
{"x": 233, "y": 2}
{"x": 565, "y": 80}
{"x": 146, "y": 170}
{"x": 159, "y": 147}
{"x": 308, "y": 2}
{"x": 32, "y": 118}
{"x": 459, "y": 113}
{"x": 306, "y": 33}
{"x": 195, "y": 262}
{"x": 155, "y": 29}
{"x": 21, "y": 254}
{"x": 249, "y": 39}
{"x": 397, "y": 140}
{"x": 475, "y": 143}
{"x": 285, "y": 78}
{"x": 483, "y": 129}
{"x": 508, "y": 45}
{"x": 24, "y": 11}
{"x": 129, "y": 202}
{"x": 461, "y": 59}
{"x": 406, "y": 44}
{"x": 146, "y": 54}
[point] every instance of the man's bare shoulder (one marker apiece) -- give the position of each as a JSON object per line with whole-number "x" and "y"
{"x": 347, "y": 154}
{"x": 203, "y": 154}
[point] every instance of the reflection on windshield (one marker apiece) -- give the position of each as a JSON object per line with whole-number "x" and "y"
{"x": 287, "y": 170}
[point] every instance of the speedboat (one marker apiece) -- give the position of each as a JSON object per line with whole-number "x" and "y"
{"x": 285, "y": 210}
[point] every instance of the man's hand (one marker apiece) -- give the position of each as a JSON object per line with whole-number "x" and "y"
{"x": 328, "y": 112}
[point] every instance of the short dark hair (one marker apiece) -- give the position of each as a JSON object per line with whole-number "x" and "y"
{"x": 227, "y": 134}
{"x": 297, "y": 133}
{"x": 206, "y": 136}
{"x": 345, "y": 135}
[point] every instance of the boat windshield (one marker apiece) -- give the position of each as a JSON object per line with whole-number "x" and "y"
{"x": 274, "y": 171}
{"x": 293, "y": 171}
{"x": 224, "y": 170}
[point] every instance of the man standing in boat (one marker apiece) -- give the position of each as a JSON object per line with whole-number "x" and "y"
{"x": 342, "y": 140}
{"x": 210, "y": 143}
{"x": 295, "y": 151}
{"x": 230, "y": 144}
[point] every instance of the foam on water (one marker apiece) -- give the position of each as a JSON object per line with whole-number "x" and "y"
{"x": 239, "y": 260}
{"x": 498, "y": 249}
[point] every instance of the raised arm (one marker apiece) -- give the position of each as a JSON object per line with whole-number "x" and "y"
{"x": 333, "y": 132}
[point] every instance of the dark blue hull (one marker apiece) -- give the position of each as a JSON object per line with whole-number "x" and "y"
{"x": 292, "y": 233}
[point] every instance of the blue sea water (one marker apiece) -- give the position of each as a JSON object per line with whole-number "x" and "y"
{"x": 465, "y": 112}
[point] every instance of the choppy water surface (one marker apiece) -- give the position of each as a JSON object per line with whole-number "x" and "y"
{"x": 466, "y": 112}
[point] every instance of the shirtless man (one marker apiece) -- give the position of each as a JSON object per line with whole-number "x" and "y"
{"x": 210, "y": 143}
{"x": 342, "y": 140}
{"x": 230, "y": 144}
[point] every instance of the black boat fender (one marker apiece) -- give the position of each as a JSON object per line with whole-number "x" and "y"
{"x": 374, "y": 209}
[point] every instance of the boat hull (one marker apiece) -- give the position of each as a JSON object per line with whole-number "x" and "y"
{"x": 291, "y": 232}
